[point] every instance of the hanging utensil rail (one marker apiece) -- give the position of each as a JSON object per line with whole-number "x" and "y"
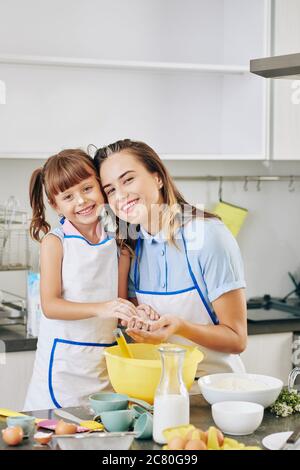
{"x": 249, "y": 179}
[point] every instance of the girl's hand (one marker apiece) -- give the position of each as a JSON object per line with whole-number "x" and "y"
{"x": 119, "y": 308}
{"x": 160, "y": 330}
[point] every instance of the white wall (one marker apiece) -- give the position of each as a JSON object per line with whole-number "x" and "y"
{"x": 269, "y": 239}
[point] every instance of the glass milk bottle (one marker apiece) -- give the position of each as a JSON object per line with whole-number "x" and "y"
{"x": 171, "y": 401}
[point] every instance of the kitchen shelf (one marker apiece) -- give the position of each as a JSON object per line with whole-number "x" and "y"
{"x": 190, "y": 96}
{"x": 14, "y": 268}
{"x": 283, "y": 66}
{"x": 123, "y": 64}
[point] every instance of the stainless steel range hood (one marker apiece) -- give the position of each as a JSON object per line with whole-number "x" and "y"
{"x": 281, "y": 66}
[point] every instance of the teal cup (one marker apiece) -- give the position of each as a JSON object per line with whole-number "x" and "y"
{"x": 27, "y": 423}
{"x": 100, "y": 402}
{"x": 118, "y": 420}
{"x": 138, "y": 410}
{"x": 143, "y": 426}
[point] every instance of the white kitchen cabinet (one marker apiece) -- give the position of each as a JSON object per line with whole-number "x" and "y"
{"x": 15, "y": 374}
{"x": 172, "y": 73}
{"x": 286, "y": 93}
{"x": 269, "y": 354}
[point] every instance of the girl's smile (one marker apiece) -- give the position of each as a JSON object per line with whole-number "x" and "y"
{"x": 87, "y": 210}
{"x": 81, "y": 203}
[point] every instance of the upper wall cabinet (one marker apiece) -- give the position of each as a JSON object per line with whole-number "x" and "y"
{"x": 172, "y": 73}
{"x": 286, "y": 93}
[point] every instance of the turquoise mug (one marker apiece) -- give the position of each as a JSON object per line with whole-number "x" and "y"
{"x": 143, "y": 426}
{"x": 138, "y": 410}
{"x": 102, "y": 402}
{"x": 117, "y": 420}
{"x": 27, "y": 423}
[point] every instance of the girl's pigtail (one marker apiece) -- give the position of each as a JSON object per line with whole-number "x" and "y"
{"x": 38, "y": 222}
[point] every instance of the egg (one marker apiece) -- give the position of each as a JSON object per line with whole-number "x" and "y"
{"x": 65, "y": 428}
{"x": 42, "y": 438}
{"x": 177, "y": 443}
{"x": 12, "y": 436}
{"x": 195, "y": 444}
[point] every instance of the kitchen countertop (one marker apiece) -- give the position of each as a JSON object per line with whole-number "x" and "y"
{"x": 200, "y": 417}
{"x": 16, "y": 339}
{"x": 271, "y": 320}
{"x": 273, "y": 326}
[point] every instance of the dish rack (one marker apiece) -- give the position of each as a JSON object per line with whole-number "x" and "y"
{"x": 14, "y": 237}
{"x": 12, "y": 309}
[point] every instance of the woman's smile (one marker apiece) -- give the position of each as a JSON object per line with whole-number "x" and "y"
{"x": 128, "y": 206}
{"x": 131, "y": 190}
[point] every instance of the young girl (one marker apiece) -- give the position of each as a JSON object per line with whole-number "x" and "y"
{"x": 187, "y": 265}
{"x": 79, "y": 284}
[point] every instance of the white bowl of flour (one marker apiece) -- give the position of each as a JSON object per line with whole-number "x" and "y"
{"x": 255, "y": 388}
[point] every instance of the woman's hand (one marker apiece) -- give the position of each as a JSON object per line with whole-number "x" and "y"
{"x": 144, "y": 316}
{"x": 159, "y": 331}
{"x": 147, "y": 312}
{"x": 119, "y": 308}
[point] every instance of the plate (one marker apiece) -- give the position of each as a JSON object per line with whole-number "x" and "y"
{"x": 51, "y": 425}
{"x": 276, "y": 441}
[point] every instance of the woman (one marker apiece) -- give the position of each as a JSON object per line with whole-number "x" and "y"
{"x": 187, "y": 266}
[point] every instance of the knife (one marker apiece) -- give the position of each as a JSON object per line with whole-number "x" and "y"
{"x": 66, "y": 415}
{"x": 291, "y": 441}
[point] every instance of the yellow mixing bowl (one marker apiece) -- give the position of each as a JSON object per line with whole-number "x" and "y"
{"x": 139, "y": 377}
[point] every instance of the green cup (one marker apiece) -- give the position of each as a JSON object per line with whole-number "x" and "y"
{"x": 143, "y": 426}
{"x": 27, "y": 423}
{"x": 101, "y": 402}
{"x": 118, "y": 420}
{"x": 138, "y": 410}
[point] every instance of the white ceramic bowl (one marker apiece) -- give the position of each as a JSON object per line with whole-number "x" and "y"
{"x": 256, "y": 388}
{"x": 237, "y": 418}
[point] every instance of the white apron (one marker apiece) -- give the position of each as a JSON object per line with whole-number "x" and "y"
{"x": 190, "y": 305}
{"x": 70, "y": 364}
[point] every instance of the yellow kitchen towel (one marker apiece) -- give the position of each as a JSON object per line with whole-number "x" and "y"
{"x": 232, "y": 216}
